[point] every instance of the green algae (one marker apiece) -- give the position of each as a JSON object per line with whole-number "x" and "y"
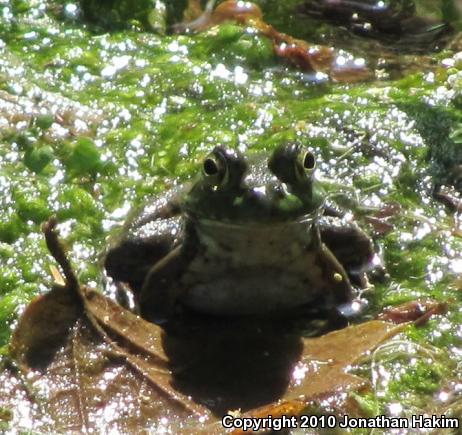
{"x": 93, "y": 122}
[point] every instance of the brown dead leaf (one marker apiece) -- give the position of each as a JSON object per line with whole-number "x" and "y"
{"x": 82, "y": 363}
{"x": 419, "y": 311}
{"x": 82, "y": 381}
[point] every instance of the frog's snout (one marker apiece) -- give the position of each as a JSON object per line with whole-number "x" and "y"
{"x": 261, "y": 196}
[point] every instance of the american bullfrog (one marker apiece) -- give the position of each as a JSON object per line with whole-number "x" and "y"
{"x": 249, "y": 237}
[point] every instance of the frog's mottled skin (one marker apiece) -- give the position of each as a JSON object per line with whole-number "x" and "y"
{"x": 246, "y": 238}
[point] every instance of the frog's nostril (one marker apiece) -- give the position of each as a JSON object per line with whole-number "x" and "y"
{"x": 263, "y": 196}
{"x": 255, "y": 198}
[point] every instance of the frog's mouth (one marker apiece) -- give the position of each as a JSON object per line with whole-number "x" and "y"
{"x": 255, "y": 238}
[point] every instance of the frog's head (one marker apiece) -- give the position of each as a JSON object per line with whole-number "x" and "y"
{"x": 259, "y": 189}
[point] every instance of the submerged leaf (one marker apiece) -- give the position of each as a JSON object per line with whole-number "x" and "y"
{"x": 74, "y": 381}
{"x": 82, "y": 363}
{"x": 106, "y": 367}
{"x": 44, "y": 327}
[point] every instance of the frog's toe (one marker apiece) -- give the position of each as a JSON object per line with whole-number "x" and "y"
{"x": 156, "y": 309}
{"x": 158, "y": 318}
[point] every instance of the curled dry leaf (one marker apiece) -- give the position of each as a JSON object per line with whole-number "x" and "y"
{"x": 418, "y": 312}
{"x": 82, "y": 363}
{"x": 382, "y": 219}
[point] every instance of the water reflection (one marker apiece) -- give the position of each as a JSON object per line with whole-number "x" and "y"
{"x": 233, "y": 364}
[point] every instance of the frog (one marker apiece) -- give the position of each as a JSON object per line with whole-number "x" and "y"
{"x": 250, "y": 236}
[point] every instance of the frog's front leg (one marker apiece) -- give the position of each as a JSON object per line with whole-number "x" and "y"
{"x": 162, "y": 288}
{"x": 148, "y": 236}
{"x": 350, "y": 245}
{"x": 338, "y": 288}
{"x": 327, "y": 274}
{"x": 130, "y": 261}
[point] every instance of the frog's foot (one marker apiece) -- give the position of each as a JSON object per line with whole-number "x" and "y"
{"x": 350, "y": 245}
{"x": 130, "y": 261}
{"x": 158, "y": 299}
{"x": 359, "y": 279}
{"x": 157, "y": 309}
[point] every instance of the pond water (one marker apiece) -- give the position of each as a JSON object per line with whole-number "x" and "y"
{"x": 94, "y": 117}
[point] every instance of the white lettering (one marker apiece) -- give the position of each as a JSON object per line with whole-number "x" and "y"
{"x": 227, "y": 421}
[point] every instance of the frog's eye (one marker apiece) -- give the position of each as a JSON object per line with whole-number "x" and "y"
{"x": 292, "y": 163}
{"x": 306, "y": 161}
{"x": 224, "y": 168}
{"x": 214, "y": 169}
{"x": 210, "y": 167}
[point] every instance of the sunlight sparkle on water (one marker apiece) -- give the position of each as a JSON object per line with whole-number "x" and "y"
{"x": 221, "y": 72}
{"x": 175, "y": 47}
{"x": 30, "y": 35}
{"x": 240, "y": 76}
{"x": 456, "y": 265}
{"x": 160, "y": 110}
{"x": 340, "y": 61}
{"x": 71, "y": 9}
{"x": 82, "y": 252}
{"x": 117, "y": 63}
{"x": 443, "y": 396}
{"x": 264, "y": 119}
{"x": 145, "y": 80}
{"x": 299, "y": 373}
{"x": 422, "y": 231}
{"x": 441, "y": 96}
{"x": 395, "y": 408}
{"x": 163, "y": 426}
{"x": 141, "y": 63}
{"x": 259, "y": 89}
{"x": 320, "y": 76}
{"x": 7, "y": 14}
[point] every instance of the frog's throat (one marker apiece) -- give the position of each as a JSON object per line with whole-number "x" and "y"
{"x": 302, "y": 221}
{"x": 256, "y": 244}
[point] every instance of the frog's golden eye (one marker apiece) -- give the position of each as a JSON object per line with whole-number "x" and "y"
{"x": 305, "y": 164}
{"x": 292, "y": 163}
{"x": 223, "y": 168}
{"x": 308, "y": 160}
